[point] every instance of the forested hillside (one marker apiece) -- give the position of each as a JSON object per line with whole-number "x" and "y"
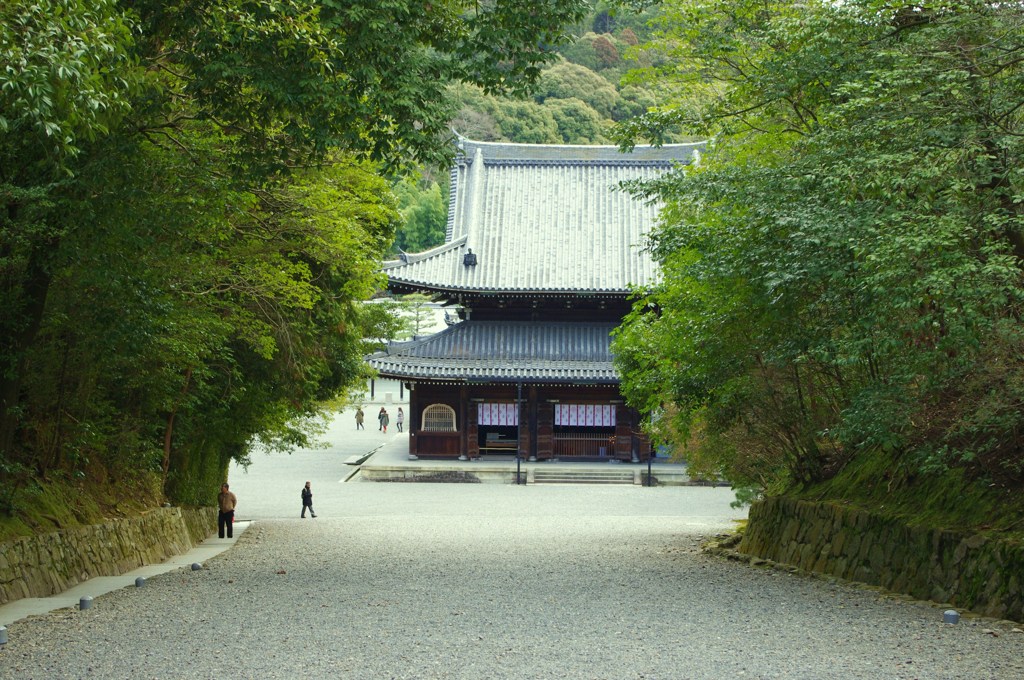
{"x": 193, "y": 210}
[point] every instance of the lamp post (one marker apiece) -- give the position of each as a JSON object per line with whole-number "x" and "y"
{"x": 519, "y": 429}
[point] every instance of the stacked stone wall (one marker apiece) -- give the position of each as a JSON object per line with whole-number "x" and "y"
{"x": 39, "y": 566}
{"x": 970, "y": 571}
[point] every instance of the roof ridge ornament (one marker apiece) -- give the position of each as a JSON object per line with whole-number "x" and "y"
{"x": 469, "y": 259}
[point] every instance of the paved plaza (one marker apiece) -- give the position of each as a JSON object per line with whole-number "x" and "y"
{"x": 419, "y": 580}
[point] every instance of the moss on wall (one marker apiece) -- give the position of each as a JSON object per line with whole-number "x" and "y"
{"x": 46, "y": 564}
{"x": 974, "y": 571}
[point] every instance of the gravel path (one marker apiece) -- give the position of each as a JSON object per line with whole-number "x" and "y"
{"x": 493, "y": 581}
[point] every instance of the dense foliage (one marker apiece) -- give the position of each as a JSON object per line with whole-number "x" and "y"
{"x": 842, "y": 271}
{"x": 192, "y": 211}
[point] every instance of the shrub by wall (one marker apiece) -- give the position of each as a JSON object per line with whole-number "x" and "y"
{"x": 38, "y": 566}
{"x": 971, "y": 571}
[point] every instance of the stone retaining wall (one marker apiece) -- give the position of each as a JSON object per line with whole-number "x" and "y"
{"x": 969, "y": 571}
{"x": 38, "y": 566}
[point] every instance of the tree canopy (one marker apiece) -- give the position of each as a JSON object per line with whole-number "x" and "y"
{"x": 842, "y": 270}
{"x": 193, "y": 211}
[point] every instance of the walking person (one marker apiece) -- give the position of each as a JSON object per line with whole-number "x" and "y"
{"x": 359, "y": 418}
{"x": 227, "y": 503}
{"x": 307, "y": 501}
{"x": 383, "y": 419}
{"x": 400, "y": 418}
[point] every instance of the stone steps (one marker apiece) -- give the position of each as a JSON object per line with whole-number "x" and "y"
{"x": 583, "y": 476}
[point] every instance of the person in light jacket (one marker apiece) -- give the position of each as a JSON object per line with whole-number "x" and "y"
{"x": 227, "y": 503}
{"x": 400, "y": 418}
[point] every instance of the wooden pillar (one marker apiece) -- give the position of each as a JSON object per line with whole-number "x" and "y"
{"x": 524, "y": 423}
{"x": 532, "y": 409}
{"x": 472, "y": 432}
{"x": 414, "y": 419}
{"x": 463, "y": 423}
{"x": 623, "y": 433}
{"x": 545, "y": 431}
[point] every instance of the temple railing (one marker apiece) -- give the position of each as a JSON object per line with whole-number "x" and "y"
{"x": 576, "y": 445}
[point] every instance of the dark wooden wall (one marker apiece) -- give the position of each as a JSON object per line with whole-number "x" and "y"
{"x": 536, "y": 434}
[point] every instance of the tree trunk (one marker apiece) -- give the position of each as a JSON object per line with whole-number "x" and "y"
{"x": 33, "y": 292}
{"x": 169, "y": 431}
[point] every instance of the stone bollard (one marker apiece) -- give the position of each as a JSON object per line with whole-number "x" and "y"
{"x": 3, "y": 635}
{"x": 139, "y": 582}
{"x": 951, "y": 616}
{"x": 85, "y": 603}
{"x": 196, "y": 566}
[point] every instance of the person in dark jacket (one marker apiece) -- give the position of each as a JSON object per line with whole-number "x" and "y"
{"x": 307, "y": 501}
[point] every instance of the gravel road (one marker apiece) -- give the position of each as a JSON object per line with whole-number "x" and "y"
{"x": 493, "y": 581}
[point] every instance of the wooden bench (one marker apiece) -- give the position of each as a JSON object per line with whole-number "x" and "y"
{"x": 502, "y": 445}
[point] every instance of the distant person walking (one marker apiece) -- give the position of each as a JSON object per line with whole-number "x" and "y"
{"x": 227, "y": 502}
{"x": 383, "y": 419}
{"x": 400, "y": 418}
{"x": 359, "y": 418}
{"x": 307, "y": 501}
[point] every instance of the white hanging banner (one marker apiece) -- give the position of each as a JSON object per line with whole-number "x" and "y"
{"x": 500, "y": 414}
{"x": 585, "y": 415}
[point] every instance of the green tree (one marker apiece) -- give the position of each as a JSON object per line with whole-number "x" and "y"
{"x": 424, "y": 209}
{"x": 843, "y": 270}
{"x": 577, "y": 122}
{"x": 635, "y": 101}
{"x": 565, "y": 80}
{"x": 527, "y": 122}
{"x": 477, "y": 115}
{"x": 64, "y": 82}
{"x": 189, "y": 217}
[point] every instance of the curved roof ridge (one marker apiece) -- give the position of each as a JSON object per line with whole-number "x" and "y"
{"x": 531, "y": 351}
{"x": 517, "y": 151}
{"x": 616, "y": 147}
{"x": 409, "y": 258}
{"x": 396, "y": 346}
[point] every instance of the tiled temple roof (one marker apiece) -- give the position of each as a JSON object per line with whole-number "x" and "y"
{"x": 505, "y": 351}
{"x": 544, "y": 218}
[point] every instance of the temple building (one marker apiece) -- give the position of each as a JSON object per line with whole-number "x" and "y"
{"x": 541, "y": 251}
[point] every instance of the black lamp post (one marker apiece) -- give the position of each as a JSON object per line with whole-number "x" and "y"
{"x": 650, "y": 457}
{"x": 519, "y": 429}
